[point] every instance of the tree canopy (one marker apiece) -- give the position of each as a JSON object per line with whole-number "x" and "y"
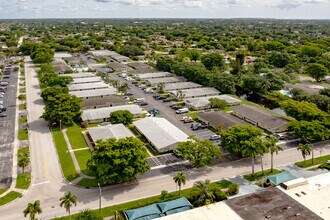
{"x": 310, "y": 131}
{"x": 121, "y": 116}
{"x": 117, "y": 161}
{"x": 303, "y": 110}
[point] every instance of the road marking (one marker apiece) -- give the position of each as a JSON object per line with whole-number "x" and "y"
{"x": 46, "y": 169}
{"x": 36, "y": 184}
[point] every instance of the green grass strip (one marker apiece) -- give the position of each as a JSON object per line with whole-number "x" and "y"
{"x": 317, "y": 161}
{"x": 9, "y": 197}
{"x": 23, "y": 134}
{"x": 258, "y": 175}
{"x": 2, "y": 190}
{"x": 75, "y": 136}
{"x": 64, "y": 155}
{"x": 23, "y": 180}
{"x": 82, "y": 157}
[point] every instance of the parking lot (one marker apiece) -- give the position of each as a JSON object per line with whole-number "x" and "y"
{"x": 163, "y": 160}
{"x": 7, "y": 127}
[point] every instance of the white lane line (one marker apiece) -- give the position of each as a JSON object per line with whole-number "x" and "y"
{"x": 36, "y": 184}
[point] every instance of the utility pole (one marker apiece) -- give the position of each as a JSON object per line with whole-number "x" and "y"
{"x": 100, "y": 199}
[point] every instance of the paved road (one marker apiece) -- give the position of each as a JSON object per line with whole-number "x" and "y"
{"x": 7, "y": 128}
{"x": 48, "y": 185}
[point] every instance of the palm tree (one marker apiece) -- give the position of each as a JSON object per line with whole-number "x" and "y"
{"x": 305, "y": 150}
{"x": 252, "y": 149}
{"x": 123, "y": 87}
{"x": 115, "y": 83}
{"x": 161, "y": 86}
{"x": 32, "y": 209}
{"x": 273, "y": 148}
{"x": 180, "y": 179}
{"x": 67, "y": 201}
{"x": 23, "y": 161}
{"x": 180, "y": 94}
{"x": 202, "y": 192}
{"x": 117, "y": 215}
{"x": 262, "y": 149}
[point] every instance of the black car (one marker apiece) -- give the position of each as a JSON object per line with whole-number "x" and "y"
{"x": 3, "y": 109}
{"x": 166, "y": 100}
{"x": 156, "y": 96}
{"x": 128, "y": 93}
{"x": 142, "y": 104}
{"x": 198, "y": 126}
{"x": 134, "y": 83}
{"x": 2, "y": 115}
{"x": 160, "y": 98}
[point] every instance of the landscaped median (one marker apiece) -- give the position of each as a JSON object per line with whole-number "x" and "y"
{"x": 9, "y": 197}
{"x": 223, "y": 185}
{"x": 322, "y": 161}
{"x": 76, "y": 138}
{"x": 64, "y": 155}
{"x": 259, "y": 175}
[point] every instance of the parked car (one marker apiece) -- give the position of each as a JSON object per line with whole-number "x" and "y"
{"x": 134, "y": 83}
{"x": 166, "y": 100}
{"x": 142, "y": 104}
{"x": 2, "y": 96}
{"x": 198, "y": 126}
{"x": 176, "y": 107}
{"x": 188, "y": 120}
{"x": 2, "y": 115}
{"x": 182, "y": 110}
{"x": 185, "y": 117}
{"x": 139, "y": 100}
{"x": 4, "y": 83}
{"x": 155, "y": 96}
{"x": 128, "y": 93}
{"x": 215, "y": 137}
{"x": 160, "y": 98}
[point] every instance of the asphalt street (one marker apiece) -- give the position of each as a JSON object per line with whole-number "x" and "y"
{"x": 7, "y": 129}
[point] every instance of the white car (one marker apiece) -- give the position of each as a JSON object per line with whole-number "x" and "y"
{"x": 215, "y": 137}
{"x": 185, "y": 118}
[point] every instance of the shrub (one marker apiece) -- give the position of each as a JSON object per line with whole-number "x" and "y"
{"x": 233, "y": 189}
{"x": 219, "y": 195}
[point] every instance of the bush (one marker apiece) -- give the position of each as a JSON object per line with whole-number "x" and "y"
{"x": 87, "y": 214}
{"x": 233, "y": 189}
{"x": 22, "y": 97}
{"x": 219, "y": 195}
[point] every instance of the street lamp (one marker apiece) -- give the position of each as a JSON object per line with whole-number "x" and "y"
{"x": 100, "y": 198}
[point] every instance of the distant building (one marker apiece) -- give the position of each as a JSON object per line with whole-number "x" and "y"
{"x": 197, "y": 92}
{"x": 86, "y": 94}
{"x": 87, "y": 86}
{"x": 116, "y": 131}
{"x": 204, "y": 102}
{"x": 220, "y": 118}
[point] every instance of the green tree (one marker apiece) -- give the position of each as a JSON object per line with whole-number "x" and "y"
{"x": 123, "y": 87}
{"x": 117, "y": 161}
{"x": 53, "y": 91}
{"x": 218, "y": 103}
{"x": 213, "y": 60}
{"x": 310, "y": 131}
{"x": 279, "y": 59}
{"x": 199, "y": 152}
{"x": 23, "y": 161}
{"x": 303, "y": 110}
{"x": 166, "y": 64}
{"x": 32, "y": 209}
{"x": 121, "y": 116}
{"x": 67, "y": 201}
{"x": 202, "y": 193}
{"x": 225, "y": 83}
{"x": 317, "y": 71}
{"x": 161, "y": 86}
{"x": 87, "y": 214}
{"x": 61, "y": 81}
{"x": 180, "y": 179}
{"x": 42, "y": 54}
{"x": 325, "y": 91}
{"x": 273, "y": 148}
{"x": 64, "y": 108}
{"x": 234, "y": 137}
{"x": 305, "y": 150}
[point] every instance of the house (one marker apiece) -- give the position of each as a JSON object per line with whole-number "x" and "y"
{"x": 204, "y": 102}
{"x": 80, "y": 75}
{"x": 153, "y": 75}
{"x": 106, "y": 101}
{"x": 116, "y": 131}
{"x": 85, "y": 94}
{"x": 160, "y": 133}
{"x": 93, "y": 79}
{"x": 181, "y": 86}
{"x": 261, "y": 118}
{"x": 192, "y": 93}
{"x": 102, "y": 114}
{"x": 118, "y": 66}
{"x": 139, "y": 65}
{"x": 155, "y": 81}
{"x": 87, "y": 86}
{"x": 220, "y": 119}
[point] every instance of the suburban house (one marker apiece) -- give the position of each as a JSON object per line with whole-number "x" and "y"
{"x": 181, "y": 85}
{"x": 220, "y": 119}
{"x": 106, "y": 101}
{"x": 116, "y": 131}
{"x": 87, "y": 86}
{"x": 173, "y": 79}
{"x": 204, "y": 103}
{"x": 192, "y": 93}
{"x": 153, "y": 75}
{"x": 85, "y": 94}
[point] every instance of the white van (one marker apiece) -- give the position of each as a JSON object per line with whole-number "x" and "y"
{"x": 139, "y": 100}
{"x": 182, "y": 110}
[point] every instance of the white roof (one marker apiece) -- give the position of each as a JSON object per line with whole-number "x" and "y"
{"x": 165, "y": 80}
{"x": 219, "y": 210}
{"x": 87, "y": 80}
{"x": 317, "y": 194}
{"x": 87, "y": 86}
{"x": 153, "y": 75}
{"x": 160, "y": 132}
{"x": 197, "y": 92}
{"x": 117, "y": 131}
{"x": 100, "y": 113}
{"x": 80, "y": 75}
{"x": 94, "y": 92}
{"x": 62, "y": 55}
{"x": 181, "y": 85}
{"x": 204, "y": 101}
{"x": 100, "y": 52}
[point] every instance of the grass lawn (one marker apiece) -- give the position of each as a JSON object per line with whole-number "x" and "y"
{"x": 88, "y": 182}
{"x": 67, "y": 165}
{"x": 23, "y": 180}
{"x": 193, "y": 115}
{"x": 23, "y": 134}
{"x": 83, "y": 156}
{"x": 9, "y": 197}
{"x": 75, "y": 136}
{"x": 22, "y": 107}
{"x": 23, "y": 150}
{"x": 2, "y": 190}
{"x": 23, "y": 119}
{"x": 22, "y": 90}
{"x": 317, "y": 161}
{"x": 108, "y": 211}
{"x": 258, "y": 175}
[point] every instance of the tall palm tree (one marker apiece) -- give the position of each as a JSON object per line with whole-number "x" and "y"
{"x": 262, "y": 149}
{"x": 252, "y": 149}
{"x": 117, "y": 215}
{"x": 180, "y": 179}
{"x": 180, "y": 94}
{"x": 305, "y": 150}
{"x": 23, "y": 161}
{"x": 115, "y": 83}
{"x": 203, "y": 192}
{"x": 273, "y": 148}
{"x": 67, "y": 202}
{"x": 32, "y": 209}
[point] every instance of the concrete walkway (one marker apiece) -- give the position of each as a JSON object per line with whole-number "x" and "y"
{"x": 73, "y": 156}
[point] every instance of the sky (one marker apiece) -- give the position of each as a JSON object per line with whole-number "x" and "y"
{"x": 281, "y": 9}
